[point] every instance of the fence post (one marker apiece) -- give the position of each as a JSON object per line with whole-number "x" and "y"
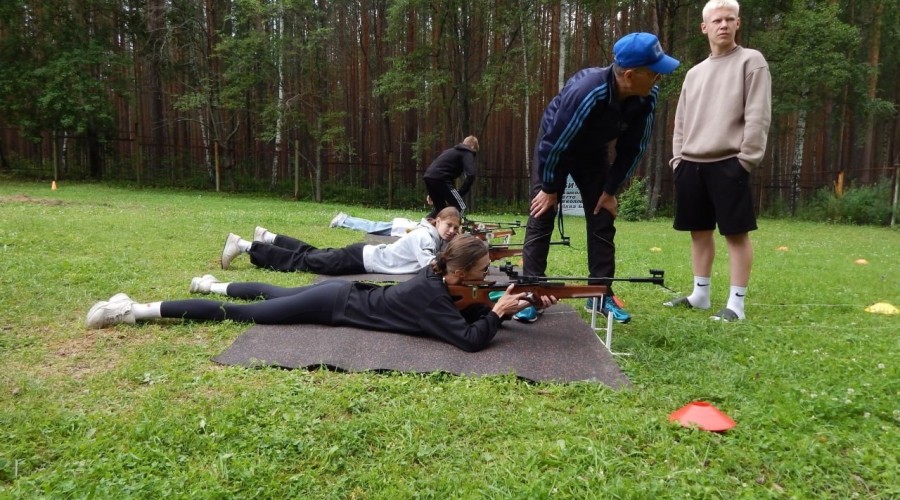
{"x": 390, "y": 181}
{"x": 296, "y": 169}
{"x": 216, "y": 161}
{"x": 896, "y": 190}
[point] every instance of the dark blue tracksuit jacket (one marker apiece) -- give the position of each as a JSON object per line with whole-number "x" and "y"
{"x": 579, "y": 123}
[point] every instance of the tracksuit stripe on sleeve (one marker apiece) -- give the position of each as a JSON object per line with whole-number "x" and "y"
{"x": 581, "y": 113}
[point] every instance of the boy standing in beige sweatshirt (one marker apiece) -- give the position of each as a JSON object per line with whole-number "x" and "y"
{"x": 721, "y": 126}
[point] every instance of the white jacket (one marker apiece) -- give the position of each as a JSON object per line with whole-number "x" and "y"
{"x": 407, "y": 255}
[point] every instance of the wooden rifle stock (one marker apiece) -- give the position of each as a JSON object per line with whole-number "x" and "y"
{"x": 466, "y": 295}
{"x": 489, "y": 234}
{"x": 497, "y": 252}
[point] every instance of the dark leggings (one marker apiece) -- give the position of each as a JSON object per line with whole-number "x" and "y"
{"x": 288, "y": 254}
{"x": 281, "y": 306}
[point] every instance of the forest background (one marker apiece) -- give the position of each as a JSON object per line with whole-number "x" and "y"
{"x": 349, "y": 101}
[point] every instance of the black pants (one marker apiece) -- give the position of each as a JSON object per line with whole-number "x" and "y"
{"x": 313, "y": 304}
{"x": 601, "y": 231}
{"x": 287, "y": 254}
{"x": 443, "y": 194}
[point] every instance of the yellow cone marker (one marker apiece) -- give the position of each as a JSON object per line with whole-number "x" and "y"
{"x": 861, "y": 262}
{"x": 882, "y": 308}
{"x": 53, "y": 186}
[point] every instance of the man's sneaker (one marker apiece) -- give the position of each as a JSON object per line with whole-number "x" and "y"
{"x": 589, "y": 305}
{"x": 338, "y": 219}
{"x": 528, "y": 315}
{"x": 110, "y": 312}
{"x": 259, "y": 234}
{"x": 201, "y": 284}
{"x": 610, "y": 307}
{"x": 231, "y": 249}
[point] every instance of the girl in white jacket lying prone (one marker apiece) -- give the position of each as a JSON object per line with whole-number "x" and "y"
{"x": 407, "y": 255}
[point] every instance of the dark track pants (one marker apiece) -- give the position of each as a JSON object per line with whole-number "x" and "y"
{"x": 601, "y": 230}
{"x": 288, "y": 254}
{"x": 443, "y": 194}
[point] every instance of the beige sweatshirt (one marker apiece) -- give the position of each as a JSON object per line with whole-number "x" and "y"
{"x": 724, "y": 110}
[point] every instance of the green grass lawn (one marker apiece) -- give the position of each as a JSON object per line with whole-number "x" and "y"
{"x": 140, "y": 411}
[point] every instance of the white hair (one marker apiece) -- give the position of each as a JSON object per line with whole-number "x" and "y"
{"x": 721, "y": 4}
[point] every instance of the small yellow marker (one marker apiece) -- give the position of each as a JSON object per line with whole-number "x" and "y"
{"x": 53, "y": 186}
{"x": 861, "y": 262}
{"x": 882, "y": 308}
{"x": 782, "y": 249}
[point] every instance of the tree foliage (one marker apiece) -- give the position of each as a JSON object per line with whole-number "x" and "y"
{"x": 159, "y": 86}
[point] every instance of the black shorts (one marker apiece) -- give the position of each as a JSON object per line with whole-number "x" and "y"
{"x": 710, "y": 194}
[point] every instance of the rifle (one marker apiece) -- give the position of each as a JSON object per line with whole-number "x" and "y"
{"x": 489, "y": 234}
{"x": 657, "y": 277}
{"x": 469, "y": 225}
{"x": 488, "y": 292}
{"x": 497, "y": 252}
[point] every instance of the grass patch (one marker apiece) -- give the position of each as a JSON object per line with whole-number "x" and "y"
{"x": 811, "y": 379}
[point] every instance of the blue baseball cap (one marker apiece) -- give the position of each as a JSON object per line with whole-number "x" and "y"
{"x": 637, "y": 50}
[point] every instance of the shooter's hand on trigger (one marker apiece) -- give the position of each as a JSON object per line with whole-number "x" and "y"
{"x": 542, "y": 202}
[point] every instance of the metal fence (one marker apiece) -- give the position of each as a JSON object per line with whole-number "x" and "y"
{"x": 388, "y": 186}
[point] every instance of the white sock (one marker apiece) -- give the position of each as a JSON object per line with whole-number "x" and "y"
{"x": 699, "y": 298}
{"x": 146, "y": 311}
{"x": 219, "y": 288}
{"x": 244, "y": 245}
{"x": 269, "y": 237}
{"x": 736, "y": 300}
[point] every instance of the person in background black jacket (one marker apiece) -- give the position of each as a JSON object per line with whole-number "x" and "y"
{"x": 420, "y": 306}
{"x": 441, "y": 175}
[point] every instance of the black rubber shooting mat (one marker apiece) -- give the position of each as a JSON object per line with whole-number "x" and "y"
{"x": 559, "y": 347}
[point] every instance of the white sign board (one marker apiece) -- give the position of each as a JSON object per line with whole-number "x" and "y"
{"x": 571, "y": 199}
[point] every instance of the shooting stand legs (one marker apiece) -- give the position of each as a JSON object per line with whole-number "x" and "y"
{"x": 595, "y": 312}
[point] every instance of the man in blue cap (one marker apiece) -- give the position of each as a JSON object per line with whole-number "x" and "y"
{"x": 596, "y": 106}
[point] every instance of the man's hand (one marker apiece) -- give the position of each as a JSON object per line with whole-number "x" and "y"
{"x": 543, "y": 202}
{"x": 428, "y": 200}
{"x": 608, "y": 202}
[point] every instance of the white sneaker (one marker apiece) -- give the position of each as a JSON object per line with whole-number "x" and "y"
{"x": 231, "y": 249}
{"x": 259, "y": 234}
{"x": 110, "y": 312}
{"x": 201, "y": 284}
{"x": 338, "y": 219}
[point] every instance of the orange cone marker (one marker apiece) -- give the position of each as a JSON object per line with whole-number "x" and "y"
{"x": 703, "y": 415}
{"x": 53, "y": 186}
